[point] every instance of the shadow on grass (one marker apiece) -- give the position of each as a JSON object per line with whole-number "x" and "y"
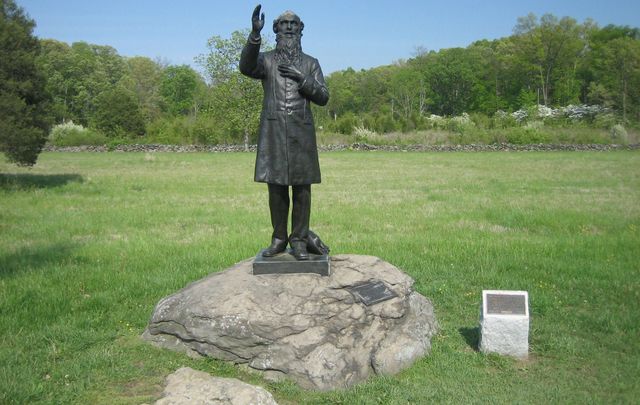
{"x": 471, "y": 336}
{"x": 33, "y": 258}
{"x": 25, "y": 181}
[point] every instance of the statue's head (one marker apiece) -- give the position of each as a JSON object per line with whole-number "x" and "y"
{"x": 288, "y": 29}
{"x": 288, "y": 24}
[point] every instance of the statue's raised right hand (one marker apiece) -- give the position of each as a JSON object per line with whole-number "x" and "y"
{"x": 257, "y": 20}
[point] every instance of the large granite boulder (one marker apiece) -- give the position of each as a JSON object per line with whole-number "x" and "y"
{"x": 188, "y": 387}
{"x": 306, "y": 327}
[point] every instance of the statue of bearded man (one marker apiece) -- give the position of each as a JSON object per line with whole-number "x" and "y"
{"x": 287, "y": 153}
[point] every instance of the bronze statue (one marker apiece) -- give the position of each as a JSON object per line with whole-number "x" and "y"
{"x": 287, "y": 151}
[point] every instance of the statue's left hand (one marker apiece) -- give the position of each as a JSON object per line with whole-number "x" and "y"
{"x": 291, "y": 72}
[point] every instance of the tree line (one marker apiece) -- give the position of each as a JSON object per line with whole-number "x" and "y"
{"x": 548, "y": 61}
{"x": 137, "y": 98}
{"x": 91, "y": 94}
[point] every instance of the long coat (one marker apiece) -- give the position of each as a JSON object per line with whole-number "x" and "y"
{"x": 287, "y": 151}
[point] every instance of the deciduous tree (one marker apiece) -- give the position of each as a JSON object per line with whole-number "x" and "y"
{"x": 548, "y": 51}
{"x": 179, "y": 88}
{"x": 143, "y": 78}
{"x": 235, "y": 99}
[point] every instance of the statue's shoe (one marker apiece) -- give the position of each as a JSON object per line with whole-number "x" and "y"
{"x": 300, "y": 250}
{"x": 277, "y": 246}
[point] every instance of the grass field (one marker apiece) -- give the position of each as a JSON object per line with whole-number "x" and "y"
{"x": 90, "y": 242}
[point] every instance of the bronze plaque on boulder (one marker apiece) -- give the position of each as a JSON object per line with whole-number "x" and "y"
{"x": 371, "y": 292}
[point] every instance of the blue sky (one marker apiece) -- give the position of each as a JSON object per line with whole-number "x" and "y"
{"x": 348, "y": 33}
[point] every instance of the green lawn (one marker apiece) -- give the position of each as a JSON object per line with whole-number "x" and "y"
{"x": 90, "y": 242}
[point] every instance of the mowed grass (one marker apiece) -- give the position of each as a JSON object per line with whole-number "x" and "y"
{"x": 90, "y": 242}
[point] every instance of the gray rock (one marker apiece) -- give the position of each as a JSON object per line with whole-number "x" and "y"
{"x": 190, "y": 387}
{"x": 301, "y": 326}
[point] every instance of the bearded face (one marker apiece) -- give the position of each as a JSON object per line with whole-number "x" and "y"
{"x": 288, "y": 29}
{"x": 288, "y": 49}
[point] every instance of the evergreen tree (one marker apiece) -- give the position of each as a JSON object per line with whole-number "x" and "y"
{"x": 24, "y": 117}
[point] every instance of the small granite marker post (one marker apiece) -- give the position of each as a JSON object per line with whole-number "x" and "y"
{"x": 504, "y": 323}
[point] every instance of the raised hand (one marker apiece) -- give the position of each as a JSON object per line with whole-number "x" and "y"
{"x": 291, "y": 72}
{"x": 257, "y": 20}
